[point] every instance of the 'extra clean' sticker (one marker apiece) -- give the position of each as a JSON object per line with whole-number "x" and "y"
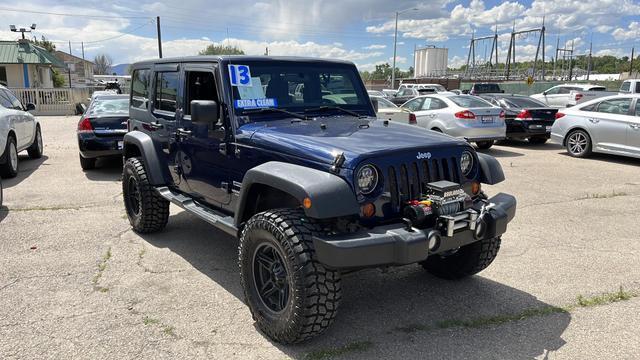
{"x": 239, "y": 75}
{"x": 255, "y": 103}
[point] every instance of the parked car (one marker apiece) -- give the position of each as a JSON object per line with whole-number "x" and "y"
{"x": 19, "y": 130}
{"x": 388, "y": 110}
{"x": 101, "y": 129}
{"x": 526, "y": 118}
{"x": 311, "y": 188}
{"x": 389, "y": 93}
{"x": 485, "y": 88}
{"x": 404, "y": 95}
{"x": 562, "y": 96}
{"x": 631, "y": 86}
{"x": 607, "y": 125}
{"x": 376, "y": 93}
{"x": 462, "y": 116}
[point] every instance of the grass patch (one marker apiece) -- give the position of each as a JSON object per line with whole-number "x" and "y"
{"x": 603, "y": 195}
{"x": 169, "y": 330}
{"x": 484, "y": 321}
{"x": 322, "y": 354}
{"x": 101, "y": 268}
{"x": 150, "y": 321}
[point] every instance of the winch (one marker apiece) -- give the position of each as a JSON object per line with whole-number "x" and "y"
{"x": 440, "y": 200}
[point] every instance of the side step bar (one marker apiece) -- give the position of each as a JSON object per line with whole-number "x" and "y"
{"x": 215, "y": 218}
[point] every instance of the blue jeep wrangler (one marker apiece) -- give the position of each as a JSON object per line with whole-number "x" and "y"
{"x": 287, "y": 155}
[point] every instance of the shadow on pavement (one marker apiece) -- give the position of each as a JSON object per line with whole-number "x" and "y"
{"x": 26, "y": 167}
{"x": 107, "y": 169}
{"x": 397, "y": 311}
{"x": 526, "y": 145}
{"x": 4, "y": 211}
{"x": 500, "y": 153}
{"x": 616, "y": 159}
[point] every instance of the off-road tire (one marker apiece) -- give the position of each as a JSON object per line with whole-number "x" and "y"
{"x": 87, "y": 163}
{"x": 538, "y": 140}
{"x": 587, "y": 148}
{"x": 36, "y": 149}
{"x": 468, "y": 260}
{"x": 484, "y": 145}
{"x": 147, "y": 211}
{"x": 7, "y": 170}
{"x": 314, "y": 292}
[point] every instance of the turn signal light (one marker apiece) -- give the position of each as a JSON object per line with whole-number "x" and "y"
{"x": 306, "y": 203}
{"x": 475, "y": 188}
{"x": 412, "y": 119}
{"x": 368, "y": 210}
{"x": 559, "y": 115}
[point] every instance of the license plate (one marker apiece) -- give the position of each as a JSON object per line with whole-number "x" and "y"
{"x": 548, "y": 128}
{"x": 487, "y": 119}
{"x": 120, "y": 144}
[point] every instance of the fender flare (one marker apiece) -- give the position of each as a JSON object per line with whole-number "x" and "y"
{"x": 490, "y": 169}
{"x": 330, "y": 195}
{"x": 144, "y": 144}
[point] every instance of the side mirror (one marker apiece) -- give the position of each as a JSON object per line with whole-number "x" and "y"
{"x": 544, "y": 93}
{"x": 204, "y": 112}
{"x": 374, "y": 102}
{"x": 30, "y": 106}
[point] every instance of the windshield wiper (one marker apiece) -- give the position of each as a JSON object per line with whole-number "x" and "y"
{"x": 325, "y": 108}
{"x": 271, "y": 110}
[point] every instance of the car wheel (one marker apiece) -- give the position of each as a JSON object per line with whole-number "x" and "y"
{"x": 292, "y": 297}
{"x": 484, "y": 145}
{"x": 147, "y": 211}
{"x": 10, "y": 167}
{"x": 468, "y": 260}
{"x": 538, "y": 140}
{"x": 87, "y": 163}
{"x": 578, "y": 144}
{"x": 36, "y": 149}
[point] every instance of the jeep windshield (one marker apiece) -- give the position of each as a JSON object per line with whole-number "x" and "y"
{"x": 304, "y": 88}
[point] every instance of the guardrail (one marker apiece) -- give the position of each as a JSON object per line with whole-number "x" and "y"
{"x": 54, "y": 101}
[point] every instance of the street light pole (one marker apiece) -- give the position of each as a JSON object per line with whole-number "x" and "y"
{"x": 395, "y": 41}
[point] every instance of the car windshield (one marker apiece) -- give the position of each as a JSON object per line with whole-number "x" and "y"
{"x": 523, "y": 102}
{"x": 296, "y": 87}
{"x": 109, "y": 106}
{"x": 385, "y": 104}
{"x": 487, "y": 88}
{"x": 468, "y": 101}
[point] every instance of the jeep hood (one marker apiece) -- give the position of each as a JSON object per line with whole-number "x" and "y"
{"x": 323, "y": 138}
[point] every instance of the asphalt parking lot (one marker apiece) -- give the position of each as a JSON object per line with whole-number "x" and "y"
{"x": 76, "y": 282}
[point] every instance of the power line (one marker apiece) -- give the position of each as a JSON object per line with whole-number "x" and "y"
{"x": 77, "y": 15}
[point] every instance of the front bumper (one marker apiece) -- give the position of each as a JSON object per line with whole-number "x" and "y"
{"x": 396, "y": 245}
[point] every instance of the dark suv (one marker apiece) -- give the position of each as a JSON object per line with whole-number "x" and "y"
{"x": 311, "y": 183}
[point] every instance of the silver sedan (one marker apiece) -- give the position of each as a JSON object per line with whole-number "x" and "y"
{"x": 607, "y": 125}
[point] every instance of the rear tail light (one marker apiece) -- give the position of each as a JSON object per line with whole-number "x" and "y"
{"x": 502, "y": 114}
{"x": 85, "y": 125}
{"x": 465, "y": 114}
{"x": 578, "y": 96}
{"x": 412, "y": 119}
{"x": 559, "y": 115}
{"x": 524, "y": 115}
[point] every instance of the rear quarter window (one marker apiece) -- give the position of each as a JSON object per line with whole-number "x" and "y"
{"x": 140, "y": 88}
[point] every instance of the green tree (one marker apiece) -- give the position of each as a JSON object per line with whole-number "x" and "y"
{"x": 44, "y": 43}
{"x": 58, "y": 78}
{"x": 214, "y": 49}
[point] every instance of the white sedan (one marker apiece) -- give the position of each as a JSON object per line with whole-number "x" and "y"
{"x": 462, "y": 116}
{"x": 19, "y": 130}
{"x": 607, "y": 125}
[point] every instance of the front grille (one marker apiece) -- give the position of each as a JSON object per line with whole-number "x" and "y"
{"x": 408, "y": 181}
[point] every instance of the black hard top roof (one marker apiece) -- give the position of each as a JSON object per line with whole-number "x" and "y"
{"x": 238, "y": 58}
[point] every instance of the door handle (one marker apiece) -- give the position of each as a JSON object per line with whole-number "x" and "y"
{"x": 182, "y": 133}
{"x": 156, "y": 125}
{"x": 635, "y": 126}
{"x": 595, "y": 121}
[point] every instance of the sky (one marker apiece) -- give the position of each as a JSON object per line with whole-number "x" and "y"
{"x": 357, "y": 30}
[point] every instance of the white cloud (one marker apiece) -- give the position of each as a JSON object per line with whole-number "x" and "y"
{"x": 375, "y": 47}
{"x": 631, "y": 32}
{"x": 399, "y": 60}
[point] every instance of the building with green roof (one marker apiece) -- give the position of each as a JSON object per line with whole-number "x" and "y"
{"x": 26, "y": 65}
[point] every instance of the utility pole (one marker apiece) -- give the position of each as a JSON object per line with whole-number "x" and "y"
{"x": 393, "y": 69}
{"x": 555, "y": 62}
{"x": 589, "y": 62}
{"x": 68, "y": 65}
{"x": 159, "y": 37}
{"x": 631, "y": 63}
{"x": 571, "y": 62}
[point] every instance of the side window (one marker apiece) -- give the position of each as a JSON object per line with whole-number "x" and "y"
{"x": 637, "y": 108}
{"x": 437, "y": 104}
{"x": 564, "y": 90}
{"x": 553, "y": 91}
{"x": 166, "y": 91}
{"x": 4, "y": 100}
{"x": 140, "y": 89}
{"x": 625, "y": 86}
{"x": 591, "y": 107}
{"x": 615, "y": 106}
{"x": 413, "y": 105}
{"x": 201, "y": 85}
{"x": 426, "y": 104}
{"x": 15, "y": 103}
{"x": 638, "y": 87}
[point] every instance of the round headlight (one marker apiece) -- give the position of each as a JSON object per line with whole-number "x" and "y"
{"x": 367, "y": 179}
{"x": 466, "y": 163}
